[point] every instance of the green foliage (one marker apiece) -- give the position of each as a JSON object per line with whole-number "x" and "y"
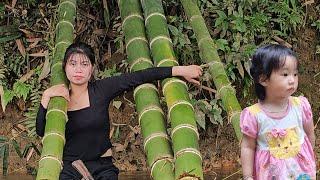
{"x": 2, "y": 9}
{"x": 208, "y": 110}
{"x": 316, "y": 24}
{"x": 5, "y": 144}
{"x": 237, "y": 28}
{"x": 108, "y": 72}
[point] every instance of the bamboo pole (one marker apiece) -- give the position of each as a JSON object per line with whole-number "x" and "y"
{"x": 53, "y": 140}
{"x": 151, "y": 117}
{"x": 184, "y": 135}
{"x": 209, "y": 54}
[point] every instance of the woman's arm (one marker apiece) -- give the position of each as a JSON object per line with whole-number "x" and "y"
{"x": 114, "y": 86}
{"x": 57, "y": 90}
{"x": 41, "y": 120}
{"x": 248, "y": 148}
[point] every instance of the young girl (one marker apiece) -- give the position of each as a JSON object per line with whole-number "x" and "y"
{"x": 278, "y": 131}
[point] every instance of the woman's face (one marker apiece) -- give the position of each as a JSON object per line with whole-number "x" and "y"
{"x": 78, "y": 69}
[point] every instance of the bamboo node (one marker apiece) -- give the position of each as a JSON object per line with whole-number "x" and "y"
{"x": 57, "y": 110}
{"x": 134, "y": 39}
{"x": 168, "y": 60}
{"x": 154, "y": 14}
{"x": 179, "y": 102}
{"x": 68, "y": 2}
{"x": 168, "y": 158}
{"x": 147, "y": 109}
{"x": 232, "y": 114}
{"x": 188, "y": 126}
{"x": 203, "y": 39}
{"x": 67, "y": 22}
{"x": 56, "y": 64}
{"x": 131, "y": 16}
{"x": 152, "y": 136}
{"x": 226, "y": 86}
{"x": 146, "y": 85}
{"x": 188, "y": 150}
{"x": 52, "y": 158}
{"x": 139, "y": 60}
{"x": 175, "y": 80}
{"x": 195, "y": 16}
{"x": 55, "y": 134}
{"x": 159, "y": 37}
{"x": 211, "y": 64}
{"x": 62, "y": 42}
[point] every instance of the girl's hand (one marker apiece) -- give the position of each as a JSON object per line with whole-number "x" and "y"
{"x": 53, "y": 91}
{"x": 191, "y": 73}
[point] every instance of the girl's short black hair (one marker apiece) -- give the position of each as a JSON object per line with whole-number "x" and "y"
{"x": 79, "y": 47}
{"x": 267, "y": 59}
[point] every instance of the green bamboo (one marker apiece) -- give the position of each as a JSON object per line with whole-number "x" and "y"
{"x": 209, "y": 54}
{"x": 184, "y": 135}
{"x": 151, "y": 118}
{"x": 53, "y": 141}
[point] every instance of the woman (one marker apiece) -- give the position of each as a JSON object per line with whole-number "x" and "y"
{"x": 88, "y": 126}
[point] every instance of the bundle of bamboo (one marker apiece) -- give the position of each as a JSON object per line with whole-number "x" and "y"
{"x": 184, "y": 134}
{"x": 151, "y": 117}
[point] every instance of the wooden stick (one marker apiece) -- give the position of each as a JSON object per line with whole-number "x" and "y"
{"x": 82, "y": 169}
{"x": 281, "y": 41}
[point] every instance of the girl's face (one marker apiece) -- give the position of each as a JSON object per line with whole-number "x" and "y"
{"x": 284, "y": 81}
{"x": 78, "y": 69}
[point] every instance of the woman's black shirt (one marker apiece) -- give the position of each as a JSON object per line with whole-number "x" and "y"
{"x": 87, "y": 129}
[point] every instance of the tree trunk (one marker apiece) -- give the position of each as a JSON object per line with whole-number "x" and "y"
{"x": 184, "y": 133}
{"x": 53, "y": 141}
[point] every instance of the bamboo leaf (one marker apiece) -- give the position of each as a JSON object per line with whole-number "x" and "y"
{"x": 3, "y": 139}
{"x": 36, "y": 148}
{"x": 26, "y": 150}
{"x": 4, "y": 39}
{"x": 5, "y": 159}
{"x": 117, "y": 133}
{"x": 9, "y": 29}
{"x": 16, "y": 147}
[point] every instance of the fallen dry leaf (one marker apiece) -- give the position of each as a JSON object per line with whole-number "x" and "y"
{"x": 118, "y": 147}
{"x": 27, "y": 76}
{"x": 2, "y": 100}
{"x": 46, "y": 67}
{"x": 21, "y": 48}
{"x": 30, "y": 154}
{"x": 13, "y": 4}
{"x": 14, "y": 133}
{"x": 38, "y": 54}
{"x": 27, "y": 33}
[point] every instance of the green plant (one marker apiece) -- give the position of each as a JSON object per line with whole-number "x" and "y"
{"x": 6, "y": 143}
{"x": 316, "y": 24}
{"x": 108, "y": 72}
{"x": 208, "y": 110}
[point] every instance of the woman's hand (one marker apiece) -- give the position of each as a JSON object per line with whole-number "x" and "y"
{"x": 53, "y": 91}
{"x": 191, "y": 73}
